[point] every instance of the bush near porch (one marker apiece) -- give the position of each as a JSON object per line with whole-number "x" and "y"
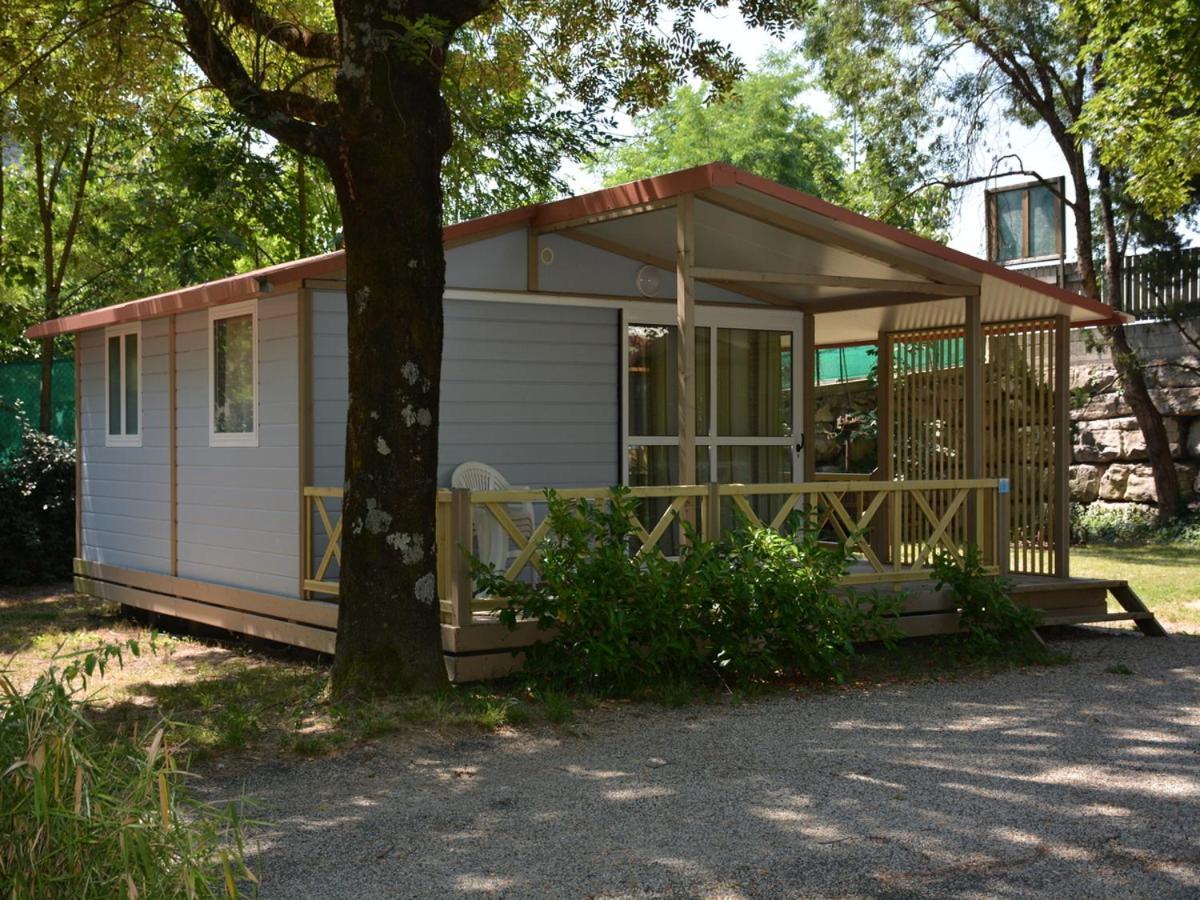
{"x": 756, "y": 605}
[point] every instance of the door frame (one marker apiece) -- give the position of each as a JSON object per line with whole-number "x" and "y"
{"x": 714, "y": 318}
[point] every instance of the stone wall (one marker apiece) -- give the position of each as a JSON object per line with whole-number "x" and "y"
{"x": 1109, "y": 452}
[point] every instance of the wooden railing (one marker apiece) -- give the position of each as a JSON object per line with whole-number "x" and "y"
{"x": 856, "y": 513}
{"x": 319, "y": 574}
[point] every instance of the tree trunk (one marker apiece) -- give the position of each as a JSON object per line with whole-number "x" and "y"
{"x": 387, "y": 176}
{"x": 1150, "y": 420}
{"x": 1129, "y": 368}
{"x": 302, "y": 205}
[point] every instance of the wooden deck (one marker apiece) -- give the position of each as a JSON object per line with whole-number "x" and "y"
{"x": 1062, "y": 601}
{"x": 487, "y": 649}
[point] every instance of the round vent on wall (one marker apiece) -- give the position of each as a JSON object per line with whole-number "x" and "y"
{"x": 649, "y": 279}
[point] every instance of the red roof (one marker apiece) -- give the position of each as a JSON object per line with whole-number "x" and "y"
{"x": 625, "y": 196}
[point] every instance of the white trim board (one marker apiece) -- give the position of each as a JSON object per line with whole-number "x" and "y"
{"x": 215, "y": 314}
{"x": 650, "y": 312}
{"x": 122, "y": 332}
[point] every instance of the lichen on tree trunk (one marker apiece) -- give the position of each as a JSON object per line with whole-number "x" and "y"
{"x": 388, "y": 182}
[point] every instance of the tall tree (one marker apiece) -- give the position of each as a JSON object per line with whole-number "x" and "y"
{"x": 180, "y": 189}
{"x": 1144, "y": 115}
{"x": 361, "y": 85}
{"x": 764, "y": 126}
{"x": 950, "y": 66}
{"x": 54, "y": 118}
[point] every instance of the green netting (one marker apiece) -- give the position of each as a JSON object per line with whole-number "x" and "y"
{"x": 840, "y": 364}
{"x": 21, "y": 382}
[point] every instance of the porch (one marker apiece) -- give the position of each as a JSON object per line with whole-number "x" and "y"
{"x": 892, "y": 531}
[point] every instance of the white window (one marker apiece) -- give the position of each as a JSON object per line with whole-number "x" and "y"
{"x": 233, "y": 375}
{"x": 123, "y": 398}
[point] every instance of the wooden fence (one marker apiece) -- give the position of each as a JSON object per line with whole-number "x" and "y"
{"x": 1154, "y": 283}
{"x": 919, "y": 518}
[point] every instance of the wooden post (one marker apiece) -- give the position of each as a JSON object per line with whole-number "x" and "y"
{"x": 808, "y": 386}
{"x": 1003, "y": 525}
{"x": 79, "y": 455}
{"x": 304, "y": 461}
{"x": 712, "y": 512}
{"x": 531, "y": 261}
{"x": 885, "y": 464}
{"x": 896, "y": 533}
{"x": 460, "y": 574}
{"x": 973, "y": 350}
{"x": 1062, "y": 447}
{"x": 685, "y": 317}
{"x": 173, "y": 449}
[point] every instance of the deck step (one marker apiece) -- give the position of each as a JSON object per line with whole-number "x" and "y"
{"x": 1067, "y": 584}
{"x": 1096, "y": 618}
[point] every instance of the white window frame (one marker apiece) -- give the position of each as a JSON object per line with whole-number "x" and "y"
{"x": 714, "y": 318}
{"x": 215, "y": 314}
{"x": 123, "y": 439}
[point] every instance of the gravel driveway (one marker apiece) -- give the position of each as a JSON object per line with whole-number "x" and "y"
{"x": 1066, "y": 781}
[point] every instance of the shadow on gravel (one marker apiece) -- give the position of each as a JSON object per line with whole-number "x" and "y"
{"x": 1081, "y": 780}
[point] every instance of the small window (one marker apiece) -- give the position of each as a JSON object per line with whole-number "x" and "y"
{"x": 233, "y": 376}
{"x": 1026, "y": 222}
{"x": 124, "y": 394}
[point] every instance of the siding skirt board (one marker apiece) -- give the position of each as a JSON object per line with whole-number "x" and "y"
{"x": 486, "y": 650}
{"x": 301, "y": 623}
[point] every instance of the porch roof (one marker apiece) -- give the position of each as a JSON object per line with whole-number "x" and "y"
{"x": 758, "y": 243}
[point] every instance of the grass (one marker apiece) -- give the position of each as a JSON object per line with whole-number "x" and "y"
{"x": 234, "y": 696}
{"x": 1166, "y": 576}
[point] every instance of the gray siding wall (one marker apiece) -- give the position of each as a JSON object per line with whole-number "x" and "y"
{"x": 529, "y": 389}
{"x": 581, "y": 268}
{"x": 239, "y": 507}
{"x": 330, "y": 389}
{"x": 125, "y": 492}
{"x": 498, "y": 263}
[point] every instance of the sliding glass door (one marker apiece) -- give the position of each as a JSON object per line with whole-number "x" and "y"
{"x": 747, "y": 404}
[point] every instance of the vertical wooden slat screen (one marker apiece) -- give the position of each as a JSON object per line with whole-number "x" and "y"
{"x": 1019, "y": 436}
{"x": 1021, "y": 444}
{"x": 927, "y": 425}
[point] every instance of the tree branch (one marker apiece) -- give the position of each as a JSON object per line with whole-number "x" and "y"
{"x": 291, "y": 36}
{"x": 45, "y": 211}
{"x": 970, "y": 22}
{"x": 955, "y": 183}
{"x": 275, "y": 112}
{"x": 76, "y": 207}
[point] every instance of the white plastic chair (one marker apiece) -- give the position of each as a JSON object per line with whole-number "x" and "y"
{"x": 490, "y": 536}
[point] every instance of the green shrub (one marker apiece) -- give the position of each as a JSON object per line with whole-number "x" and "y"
{"x": 37, "y": 507}
{"x": 85, "y": 816}
{"x": 1130, "y": 523}
{"x": 988, "y": 616}
{"x": 751, "y": 606}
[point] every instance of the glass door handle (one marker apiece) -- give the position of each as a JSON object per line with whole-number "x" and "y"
{"x": 800, "y": 444}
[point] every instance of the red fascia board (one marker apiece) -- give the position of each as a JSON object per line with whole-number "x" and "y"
{"x": 245, "y": 286}
{"x": 190, "y": 299}
{"x": 1105, "y": 314}
{"x": 607, "y": 200}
